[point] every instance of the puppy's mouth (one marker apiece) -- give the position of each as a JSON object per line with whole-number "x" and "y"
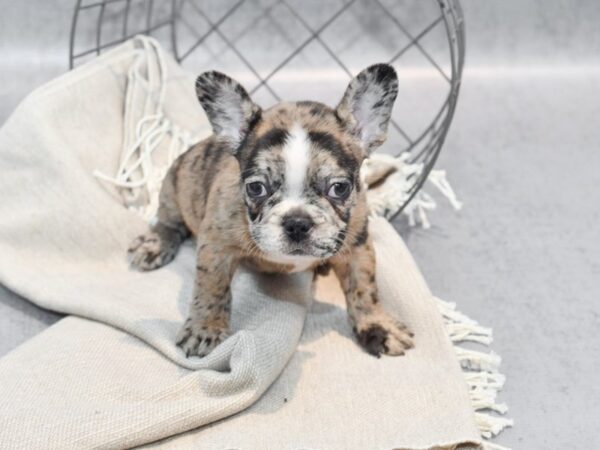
{"x": 309, "y": 248}
{"x": 312, "y": 250}
{"x": 301, "y": 250}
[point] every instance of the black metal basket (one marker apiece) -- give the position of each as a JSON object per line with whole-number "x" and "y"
{"x": 277, "y": 46}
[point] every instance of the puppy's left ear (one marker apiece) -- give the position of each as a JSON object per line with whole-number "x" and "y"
{"x": 367, "y": 104}
{"x": 228, "y": 106}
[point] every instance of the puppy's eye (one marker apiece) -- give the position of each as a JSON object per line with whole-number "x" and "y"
{"x": 339, "y": 191}
{"x": 256, "y": 189}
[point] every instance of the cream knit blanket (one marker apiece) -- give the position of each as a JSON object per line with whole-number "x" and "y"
{"x": 110, "y": 376}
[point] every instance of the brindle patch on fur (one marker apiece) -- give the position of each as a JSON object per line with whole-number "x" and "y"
{"x": 363, "y": 235}
{"x": 327, "y": 141}
{"x": 373, "y": 340}
{"x": 275, "y": 137}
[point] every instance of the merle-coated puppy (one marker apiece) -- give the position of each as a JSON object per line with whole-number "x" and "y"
{"x": 280, "y": 189}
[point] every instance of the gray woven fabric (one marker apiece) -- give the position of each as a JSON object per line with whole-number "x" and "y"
{"x": 110, "y": 376}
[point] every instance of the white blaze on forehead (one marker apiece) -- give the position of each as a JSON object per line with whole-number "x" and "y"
{"x": 296, "y": 153}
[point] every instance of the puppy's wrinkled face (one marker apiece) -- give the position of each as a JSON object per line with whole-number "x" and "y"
{"x": 300, "y": 182}
{"x": 299, "y": 162}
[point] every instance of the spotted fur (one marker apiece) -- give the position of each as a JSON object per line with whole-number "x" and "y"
{"x": 280, "y": 189}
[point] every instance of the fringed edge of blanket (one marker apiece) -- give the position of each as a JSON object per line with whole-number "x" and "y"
{"x": 481, "y": 371}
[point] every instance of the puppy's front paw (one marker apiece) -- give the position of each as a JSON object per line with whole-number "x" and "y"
{"x": 197, "y": 339}
{"x": 149, "y": 251}
{"x": 381, "y": 334}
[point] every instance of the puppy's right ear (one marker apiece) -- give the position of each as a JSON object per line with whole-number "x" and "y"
{"x": 228, "y": 106}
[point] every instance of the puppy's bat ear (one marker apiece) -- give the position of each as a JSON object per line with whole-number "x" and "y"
{"x": 228, "y": 106}
{"x": 367, "y": 104}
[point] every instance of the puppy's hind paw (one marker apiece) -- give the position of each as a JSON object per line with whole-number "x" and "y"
{"x": 149, "y": 251}
{"x": 197, "y": 340}
{"x": 381, "y": 334}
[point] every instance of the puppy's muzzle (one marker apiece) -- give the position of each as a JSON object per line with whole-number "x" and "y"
{"x": 297, "y": 227}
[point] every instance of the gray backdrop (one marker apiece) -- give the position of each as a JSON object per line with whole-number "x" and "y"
{"x": 523, "y": 154}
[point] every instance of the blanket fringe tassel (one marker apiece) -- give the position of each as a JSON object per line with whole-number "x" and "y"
{"x": 398, "y": 174}
{"x": 481, "y": 371}
{"x": 139, "y": 177}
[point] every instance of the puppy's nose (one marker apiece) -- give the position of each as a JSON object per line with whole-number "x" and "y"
{"x": 297, "y": 226}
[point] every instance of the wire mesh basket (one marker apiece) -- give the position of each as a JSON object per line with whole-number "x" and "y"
{"x": 305, "y": 49}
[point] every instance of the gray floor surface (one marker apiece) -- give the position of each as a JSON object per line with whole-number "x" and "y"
{"x": 524, "y": 156}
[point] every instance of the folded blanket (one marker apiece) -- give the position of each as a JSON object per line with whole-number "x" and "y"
{"x": 110, "y": 376}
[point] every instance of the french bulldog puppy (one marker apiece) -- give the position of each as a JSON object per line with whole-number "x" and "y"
{"x": 280, "y": 189}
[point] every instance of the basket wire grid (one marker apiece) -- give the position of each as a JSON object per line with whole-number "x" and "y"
{"x": 263, "y": 39}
